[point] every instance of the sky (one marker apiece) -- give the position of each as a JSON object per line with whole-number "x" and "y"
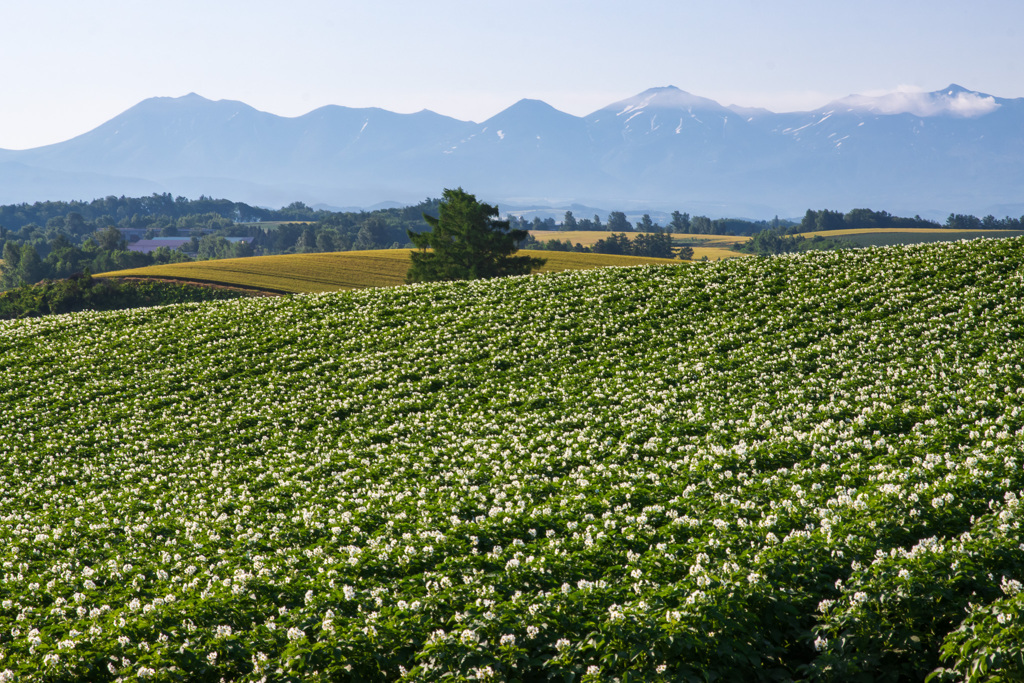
{"x": 66, "y": 66}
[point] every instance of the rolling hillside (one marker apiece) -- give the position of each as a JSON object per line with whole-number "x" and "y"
{"x": 340, "y": 270}
{"x": 768, "y": 469}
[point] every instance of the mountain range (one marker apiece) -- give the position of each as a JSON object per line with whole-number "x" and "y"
{"x": 952, "y": 150}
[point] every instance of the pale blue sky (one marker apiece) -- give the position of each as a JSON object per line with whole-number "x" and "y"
{"x": 68, "y": 65}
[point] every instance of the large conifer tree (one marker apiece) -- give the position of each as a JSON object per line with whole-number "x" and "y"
{"x": 467, "y": 242}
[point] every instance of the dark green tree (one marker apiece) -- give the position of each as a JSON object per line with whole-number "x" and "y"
{"x": 9, "y": 270}
{"x": 569, "y": 221}
{"x": 617, "y": 222}
{"x": 30, "y": 266}
{"x": 212, "y": 247}
{"x": 701, "y": 225}
{"x": 466, "y": 241}
{"x": 657, "y": 244}
{"x": 809, "y": 220}
{"x": 327, "y": 240}
{"x": 306, "y": 244}
{"x": 372, "y": 235}
{"x": 680, "y": 222}
{"x": 861, "y": 218}
{"x": 75, "y": 224}
{"x": 829, "y": 220}
{"x": 64, "y": 258}
{"x": 616, "y": 243}
{"x": 109, "y": 239}
{"x": 963, "y": 222}
{"x": 242, "y": 250}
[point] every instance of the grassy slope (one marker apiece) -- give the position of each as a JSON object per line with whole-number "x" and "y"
{"x": 340, "y": 270}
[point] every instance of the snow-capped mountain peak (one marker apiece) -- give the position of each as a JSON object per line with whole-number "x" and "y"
{"x": 951, "y": 150}
{"x": 667, "y": 97}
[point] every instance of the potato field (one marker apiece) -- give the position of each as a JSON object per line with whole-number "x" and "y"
{"x": 764, "y": 469}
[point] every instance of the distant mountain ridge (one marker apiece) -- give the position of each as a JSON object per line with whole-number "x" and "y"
{"x": 951, "y": 150}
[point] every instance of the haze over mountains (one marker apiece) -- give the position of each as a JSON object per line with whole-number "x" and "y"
{"x": 953, "y": 150}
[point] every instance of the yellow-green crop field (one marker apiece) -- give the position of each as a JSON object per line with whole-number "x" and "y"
{"x": 293, "y": 273}
{"x": 714, "y": 247}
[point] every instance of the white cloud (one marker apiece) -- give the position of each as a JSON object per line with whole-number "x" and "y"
{"x": 971, "y": 104}
{"x": 910, "y": 101}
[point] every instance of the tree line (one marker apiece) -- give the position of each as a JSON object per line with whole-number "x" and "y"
{"x": 157, "y": 210}
{"x": 769, "y": 242}
{"x": 679, "y": 222}
{"x": 54, "y": 240}
{"x": 656, "y": 244}
{"x": 824, "y": 219}
{"x": 85, "y": 293}
{"x": 813, "y": 221}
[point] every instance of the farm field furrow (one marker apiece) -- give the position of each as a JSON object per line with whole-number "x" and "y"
{"x": 339, "y": 270}
{"x": 789, "y": 468}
